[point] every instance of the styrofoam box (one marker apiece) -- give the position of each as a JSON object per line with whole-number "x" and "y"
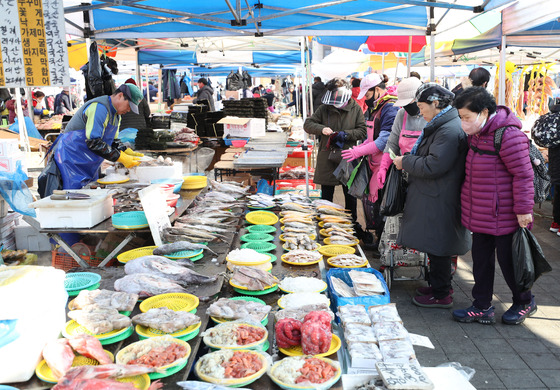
{"x": 352, "y": 381}
{"x": 84, "y": 213}
{"x": 29, "y": 238}
{"x": 147, "y": 174}
{"x": 8, "y": 147}
{"x": 243, "y": 127}
{"x": 39, "y": 318}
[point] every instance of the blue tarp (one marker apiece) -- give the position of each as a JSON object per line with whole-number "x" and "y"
{"x": 183, "y": 57}
{"x": 31, "y": 129}
{"x": 153, "y": 24}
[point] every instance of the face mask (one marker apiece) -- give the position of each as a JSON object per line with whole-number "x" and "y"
{"x": 473, "y": 127}
{"x": 412, "y": 109}
{"x": 342, "y": 105}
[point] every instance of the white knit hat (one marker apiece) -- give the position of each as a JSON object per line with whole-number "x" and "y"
{"x": 406, "y": 91}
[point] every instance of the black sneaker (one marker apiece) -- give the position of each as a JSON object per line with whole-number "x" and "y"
{"x": 516, "y": 314}
{"x": 474, "y": 314}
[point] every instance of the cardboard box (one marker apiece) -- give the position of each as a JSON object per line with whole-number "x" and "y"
{"x": 233, "y": 95}
{"x": 8, "y": 164}
{"x": 9, "y": 147}
{"x": 243, "y": 127}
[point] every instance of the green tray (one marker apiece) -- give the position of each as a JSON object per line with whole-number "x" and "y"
{"x": 256, "y": 237}
{"x": 263, "y": 292}
{"x": 260, "y": 229}
{"x": 118, "y": 338}
{"x": 260, "y": 207}
{"x": 260, "y": 246}
{"x": 184, "y": 254}
{"x": 170, "y": 371}
{"x": 76, "y": 292}
{"x": 197, "y": 257}
{"x": 273, "y": 258}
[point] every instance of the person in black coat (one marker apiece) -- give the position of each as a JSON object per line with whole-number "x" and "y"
{"x": 432, "y": 213}
{"x": 318, "y": 90}
{"x": 554, "y": 172}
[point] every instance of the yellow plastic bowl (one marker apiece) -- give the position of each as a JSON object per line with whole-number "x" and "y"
{"x": 194, "y": 182}
{"x": 173, "y": 301}
{"x": 122, "y": 352}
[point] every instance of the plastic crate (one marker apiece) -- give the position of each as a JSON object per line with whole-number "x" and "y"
{"x": 367, "y": 301}
{"x": 66, "y": 262}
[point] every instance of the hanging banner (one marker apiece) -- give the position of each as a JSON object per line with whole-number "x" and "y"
{"x": 33, "y": 44}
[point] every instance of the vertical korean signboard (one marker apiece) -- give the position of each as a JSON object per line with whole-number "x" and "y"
{"x": 32, "y": 44}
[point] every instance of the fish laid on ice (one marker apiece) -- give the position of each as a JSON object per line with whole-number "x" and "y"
{"x": 161, "y": 266}
{"x": 178, "y": 246}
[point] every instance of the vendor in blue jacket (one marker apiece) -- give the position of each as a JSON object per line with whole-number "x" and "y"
{"x": 91, "y": 136}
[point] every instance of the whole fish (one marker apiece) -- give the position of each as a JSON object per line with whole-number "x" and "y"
{"x": 221, "y": 196}
{"x": 165, "y": 268}
{"x": 179, "y": 246}
{"x": 195, "y": 233}
{"x": 208, "y": 228}
{"x": 179, "y": 237}
{"x": 229, "y": 188}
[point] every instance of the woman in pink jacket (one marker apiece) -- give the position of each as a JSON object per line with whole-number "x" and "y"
{"x": 496, "y": 199}
{"x": 379, "y": 117}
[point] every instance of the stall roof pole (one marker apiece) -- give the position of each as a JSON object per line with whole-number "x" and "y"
{"x": 160, "y": 94}
{"x": 383, "y": 63}
{"x": 147, "y": 84}
{"x": 23, "y": 138}
{"x": 304, "y": 116}
{"x": 408, "y": 56}
{"x": 138, "y": 70}
{"x": 502, "y": 73}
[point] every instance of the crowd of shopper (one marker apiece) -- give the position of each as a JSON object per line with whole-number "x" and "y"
{"x": 461, "y": 196}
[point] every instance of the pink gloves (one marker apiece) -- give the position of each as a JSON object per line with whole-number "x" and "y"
{"x": 351, "y": 154}
{"x": 383, "y": 168}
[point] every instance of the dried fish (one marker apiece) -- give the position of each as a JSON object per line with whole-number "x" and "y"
{"x": 301, "y": 241}
{"x": 302, "y": 256}
{"x": 179, "y": 246}
{"x": 347, "y": 260}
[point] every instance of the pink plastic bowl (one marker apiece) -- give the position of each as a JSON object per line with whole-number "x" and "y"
{"x": 238, "y": 143}
{"x": 167, "y": 190}
{"x": 172, "y": 200}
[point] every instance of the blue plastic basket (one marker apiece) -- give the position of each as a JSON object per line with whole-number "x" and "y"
{"x": 367, "y": 301}
{"x": 80, "y": 280}
{"x": 130, "y": 220}
{"x": 176, "y": 182}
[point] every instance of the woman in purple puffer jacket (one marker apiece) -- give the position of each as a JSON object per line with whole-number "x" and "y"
{"x": 496, "y": 199}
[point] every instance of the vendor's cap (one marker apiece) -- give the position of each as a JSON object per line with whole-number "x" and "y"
{"x": 429, "y": 92}
{"x": 133, "y": 94}
{"x": 337, "y": 97}
{"x": 368, "y": 82}
{"x": 406, "y": 91}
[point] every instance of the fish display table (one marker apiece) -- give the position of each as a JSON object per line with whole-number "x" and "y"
{"x": 210, "y": 265}
{"x": 106, "y": 227}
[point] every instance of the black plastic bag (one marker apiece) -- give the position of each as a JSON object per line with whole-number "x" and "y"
{"x": 394, "y": 193}
{"x": 529, "y": 262}
{"x": 344, "y": 171}
{"x": 539, "y": 261}
{"x": 359, "y": 179}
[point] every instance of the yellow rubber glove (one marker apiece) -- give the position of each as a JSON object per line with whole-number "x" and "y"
{"x": 46, "y": 112}
{"x": 128, "y": 161}
{"x": 132, "y": 153}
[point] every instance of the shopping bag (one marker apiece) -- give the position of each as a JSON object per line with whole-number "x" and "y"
{"x": 539, "y": 261}
{"x": 344, "y": 171}
{"x": 522, "y": 255}
{"x": 359, "y": 180}
{"x": 394, "y": 193}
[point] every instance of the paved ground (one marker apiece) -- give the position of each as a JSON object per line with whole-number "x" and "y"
{"x": 525, "y": 356}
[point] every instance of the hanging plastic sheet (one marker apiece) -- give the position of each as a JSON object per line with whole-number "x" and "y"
{"x": 14, "y": 190}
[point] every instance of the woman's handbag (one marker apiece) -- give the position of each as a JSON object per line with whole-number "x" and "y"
{"x": 335, "y": 155}
{"x": 394, "y": 193}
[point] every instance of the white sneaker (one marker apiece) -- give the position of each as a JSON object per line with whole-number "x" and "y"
{"x": 554, "y": 228}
